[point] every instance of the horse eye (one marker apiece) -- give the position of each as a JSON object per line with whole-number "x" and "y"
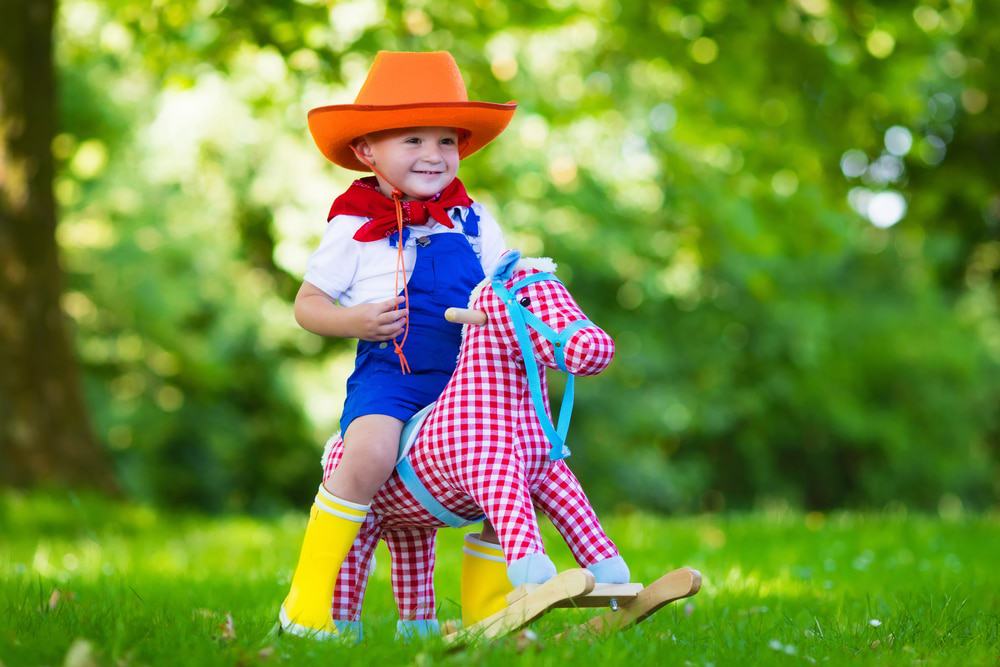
{"x": 525, "y": 301}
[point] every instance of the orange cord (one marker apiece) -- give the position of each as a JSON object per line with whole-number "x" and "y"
{"x": 397, "y": 194}
{"x": 404, "y": 365}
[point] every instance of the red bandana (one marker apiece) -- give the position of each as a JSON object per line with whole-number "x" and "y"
{"x": 364, "y": 199}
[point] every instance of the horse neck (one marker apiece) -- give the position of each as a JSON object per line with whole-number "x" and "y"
{"x": 485, "y": 361}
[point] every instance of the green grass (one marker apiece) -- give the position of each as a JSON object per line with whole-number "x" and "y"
{"x": 147, "y": 588}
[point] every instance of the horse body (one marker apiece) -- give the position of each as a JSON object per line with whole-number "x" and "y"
{"x": 482, "y": 450}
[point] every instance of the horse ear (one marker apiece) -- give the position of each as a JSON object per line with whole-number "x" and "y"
{"x": 505, "y": 265}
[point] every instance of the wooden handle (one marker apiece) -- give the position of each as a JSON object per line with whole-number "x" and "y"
{"x": 465, "y": 316}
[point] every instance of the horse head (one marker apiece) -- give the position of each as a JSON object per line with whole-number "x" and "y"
{"x": 523, "y": 300}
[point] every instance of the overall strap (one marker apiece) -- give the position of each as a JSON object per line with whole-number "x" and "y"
{"x": 470, "y": 228}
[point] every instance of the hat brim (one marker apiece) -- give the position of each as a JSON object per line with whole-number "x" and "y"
{"x": 334, "y": 127}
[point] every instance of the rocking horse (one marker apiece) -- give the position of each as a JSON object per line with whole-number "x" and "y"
{"x": 488, "y": 449}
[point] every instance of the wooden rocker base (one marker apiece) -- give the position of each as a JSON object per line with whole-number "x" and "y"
{"x": 527, "y": 607}
{"x": 673, "y": 586}
{"x": 629, "y": 603}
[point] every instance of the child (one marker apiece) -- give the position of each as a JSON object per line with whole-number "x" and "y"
{"x": 400, "y": 248}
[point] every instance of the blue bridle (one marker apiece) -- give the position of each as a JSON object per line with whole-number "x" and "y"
{"x": 522, "y": 319}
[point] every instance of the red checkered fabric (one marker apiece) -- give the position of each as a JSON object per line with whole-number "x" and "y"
{"x": 561, "y": 497}
{"x": 483, "y": 450}
{"x": 411, "y": 549}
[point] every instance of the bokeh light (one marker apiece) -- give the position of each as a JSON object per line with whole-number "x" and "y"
{"x": 898, "y": 140}
{"x": 885, "y": 209}
{"x": 853, "y": 163}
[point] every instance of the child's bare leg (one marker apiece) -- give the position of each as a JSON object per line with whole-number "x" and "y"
{"x": 488, "y": 533}
{"x": 370, "y": 446}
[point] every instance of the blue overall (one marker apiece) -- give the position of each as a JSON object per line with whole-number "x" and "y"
{"x": 445, "y": 272}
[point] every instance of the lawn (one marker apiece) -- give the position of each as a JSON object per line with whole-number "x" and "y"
{"x": 86, "y": 582}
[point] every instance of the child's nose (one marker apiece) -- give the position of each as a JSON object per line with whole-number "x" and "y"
{"x": 432, "y": 153}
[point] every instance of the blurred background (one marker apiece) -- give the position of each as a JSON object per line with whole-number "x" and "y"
{"x": 787, "y": 213}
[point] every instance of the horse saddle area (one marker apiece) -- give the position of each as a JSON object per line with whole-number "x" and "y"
{"x": 627, "y": 604}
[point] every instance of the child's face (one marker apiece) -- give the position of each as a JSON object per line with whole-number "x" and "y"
{"x": 420, "y": 161}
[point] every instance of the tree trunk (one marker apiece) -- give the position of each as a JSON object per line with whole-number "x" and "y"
{"x": 45, "y": 433}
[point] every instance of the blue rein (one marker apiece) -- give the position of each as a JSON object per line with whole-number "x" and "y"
{"x": 523, "y": 319}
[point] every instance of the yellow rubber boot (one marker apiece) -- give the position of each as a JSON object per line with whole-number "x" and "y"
{"x": 484, "y": 579}
{"x": 333, "y": 525}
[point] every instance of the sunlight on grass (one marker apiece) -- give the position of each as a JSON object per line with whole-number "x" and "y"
{"x": 154, "y": 588}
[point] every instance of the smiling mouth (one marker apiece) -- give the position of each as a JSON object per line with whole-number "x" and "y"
{"x": 428, "y": 172}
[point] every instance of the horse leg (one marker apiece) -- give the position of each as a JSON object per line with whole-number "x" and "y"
{"x": 349, "y": 592}
{"x": 561, "y": 497}
{"x": 503, "y": 496}
{"x": 412, "y": 551}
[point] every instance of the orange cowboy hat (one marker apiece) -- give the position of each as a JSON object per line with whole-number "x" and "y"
{"x": 407, "y": 89}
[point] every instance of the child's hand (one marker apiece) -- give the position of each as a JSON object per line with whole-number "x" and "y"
{"x": 379, "y": 321}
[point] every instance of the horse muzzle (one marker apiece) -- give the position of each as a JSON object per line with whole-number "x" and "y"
{"x": 589, "y": 351}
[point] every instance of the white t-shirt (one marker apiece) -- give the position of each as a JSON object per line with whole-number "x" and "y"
{"x": 354, "y": 272}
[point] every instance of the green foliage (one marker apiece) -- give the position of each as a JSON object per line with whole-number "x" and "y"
{"x": 152, "y": 588}
{"x": 682, "y": 162}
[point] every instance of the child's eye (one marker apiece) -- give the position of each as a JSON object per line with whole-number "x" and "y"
{"x": 413, "y": 140}
{"x": 448, "y": 140}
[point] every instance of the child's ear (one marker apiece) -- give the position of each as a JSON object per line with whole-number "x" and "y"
{"x": 362, "y": 146}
